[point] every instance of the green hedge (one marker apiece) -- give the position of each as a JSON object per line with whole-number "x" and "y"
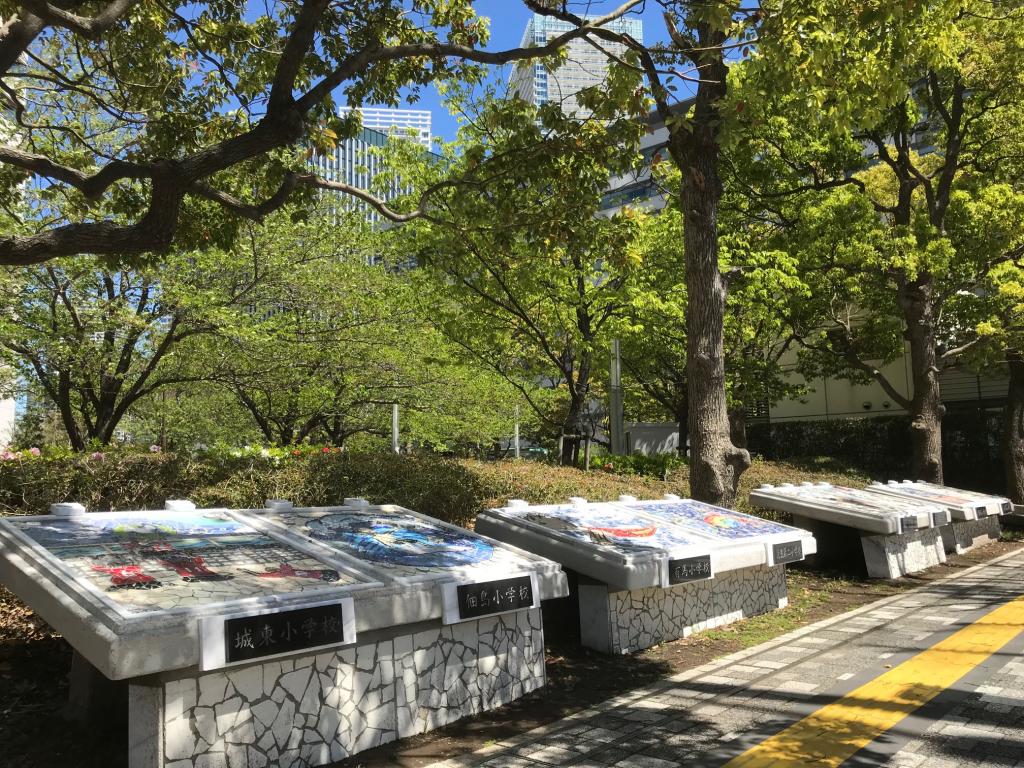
{"x": 880, "y": 445}
{"x": 449, "y": 489}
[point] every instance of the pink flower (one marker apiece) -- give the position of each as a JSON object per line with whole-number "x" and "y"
{"x": 9, "y": 456}
{"x": 97, "y": 455}
{"x": 35, "y": 452}
{"x": 325, "y": 449}
{"x": 154, "y": 449}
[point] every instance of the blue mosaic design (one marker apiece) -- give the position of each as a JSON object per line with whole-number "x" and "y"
{"x": 104, "y": 528}
{"x": 400, "y": 540}
{"x": 709, "y": 520}
{"x": 614, "y": 528}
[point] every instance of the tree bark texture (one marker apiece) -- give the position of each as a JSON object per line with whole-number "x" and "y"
{"x": 715, "y": 463}
{"x": 1013, "y": 429}
{"x": 926, "y": 408}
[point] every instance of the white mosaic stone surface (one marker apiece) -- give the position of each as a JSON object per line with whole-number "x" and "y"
{"x": 962, "y": 536}
{"x": 640, "y": 618}
{"x": 313, "y": 710}
{"x": 895, "y": 555}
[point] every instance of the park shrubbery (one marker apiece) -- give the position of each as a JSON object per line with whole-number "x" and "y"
{"x": 450, "y": 489}
{"x": 881, "y": 446}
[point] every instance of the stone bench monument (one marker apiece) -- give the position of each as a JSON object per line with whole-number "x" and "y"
{"x": 975, "y": 517}
{"x": 896, "y": 535}
{"x": 653, "y": 571}
{"x": 284, "y": 636}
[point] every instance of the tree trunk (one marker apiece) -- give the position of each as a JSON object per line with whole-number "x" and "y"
{"x": 926, "y": 408}
{"x": 738, "y": 426}
{"x": 715, "y": 463}
{"x": 1013, "y": 429}
{"x": 574, "y": 423}
{"x": 683, "y": 419}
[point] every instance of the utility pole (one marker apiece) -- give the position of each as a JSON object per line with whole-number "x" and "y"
{"x": 394, "y": 428}
{"x": 616, "y": 426}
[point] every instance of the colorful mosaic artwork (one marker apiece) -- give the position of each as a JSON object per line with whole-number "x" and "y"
{"x": 711, "y": 521}
{"x": 843, "y": 498}
{"x": 612, "y": 527}
{"x": 146, "y": 562}
{"x": 935, "y": 494}
{"x": 402, "y": 543}
{"x": 102, "y": 527}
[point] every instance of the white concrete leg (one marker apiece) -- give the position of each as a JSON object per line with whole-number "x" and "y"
{"x": 595, "y": 621}
{"x": 145, "y": 725}
{"x": 893, "y": 555}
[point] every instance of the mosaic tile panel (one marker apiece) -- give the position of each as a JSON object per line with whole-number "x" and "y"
{"x": 612, "y": 527}
{"x": 939, "y": 494}
{"x": 313, "y": 710}
{"x": 152, "y": 561}
{"x": 640, "y": 618}
{"x": 403, "y": 544}
{"x": 712, "y": 521}
{"x": 850, "y": 499}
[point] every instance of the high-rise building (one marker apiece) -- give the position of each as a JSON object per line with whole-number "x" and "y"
{"x": 585, "y": 66}
{"x": 390, "y": 120}
{"x": 355, "y": 161}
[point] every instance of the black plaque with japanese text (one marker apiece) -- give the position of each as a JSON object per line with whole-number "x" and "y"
{"x": 689, "y": 569}
{"x": 269, "y": 634}
{"x": 1006, "y": 507}
{"x": 981, "y": 511}
{"x": 787, "y": 552}
{"x": 487, "y": 597}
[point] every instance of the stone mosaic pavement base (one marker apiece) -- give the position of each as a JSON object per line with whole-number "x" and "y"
{"x": 711, "y": 714}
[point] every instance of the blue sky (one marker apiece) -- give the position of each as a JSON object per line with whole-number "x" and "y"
{"x": 508, "y": 20}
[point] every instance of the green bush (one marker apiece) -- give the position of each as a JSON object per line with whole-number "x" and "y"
{"x": 880, "y": 446}
{"x": 661, "y": 465}
{"x": 449, "y": 489}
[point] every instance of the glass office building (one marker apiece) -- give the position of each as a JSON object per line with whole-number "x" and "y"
{"x": 585, "y": 66}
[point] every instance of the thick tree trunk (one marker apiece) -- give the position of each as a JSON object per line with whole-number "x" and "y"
{"x": 738, "y": 426}
{"x": 926, "y": 408}
{"x": 715, "y": 463}
{"x": 1013, "y": 429}
{"x": 683, "y": 419}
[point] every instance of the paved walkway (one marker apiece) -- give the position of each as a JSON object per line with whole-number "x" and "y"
{"x": 933, "y": 677}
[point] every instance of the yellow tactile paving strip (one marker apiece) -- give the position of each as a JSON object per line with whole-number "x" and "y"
{"x": 835, "y": 732}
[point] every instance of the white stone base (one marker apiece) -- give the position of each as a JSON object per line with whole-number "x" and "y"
{"x": 313, "y": 710}
{"x": 963, "y": 536}
{"x": 631, "y": 620}
{"x": 894, "y": 555}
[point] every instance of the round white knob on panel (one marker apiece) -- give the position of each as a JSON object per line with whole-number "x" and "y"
{"x": 278, "y": 505}
{"x": 179, "y": 505}
{"x": 67, "y": 509}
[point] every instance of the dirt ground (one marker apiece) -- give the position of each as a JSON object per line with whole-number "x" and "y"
{"x": 34, "y": 662}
